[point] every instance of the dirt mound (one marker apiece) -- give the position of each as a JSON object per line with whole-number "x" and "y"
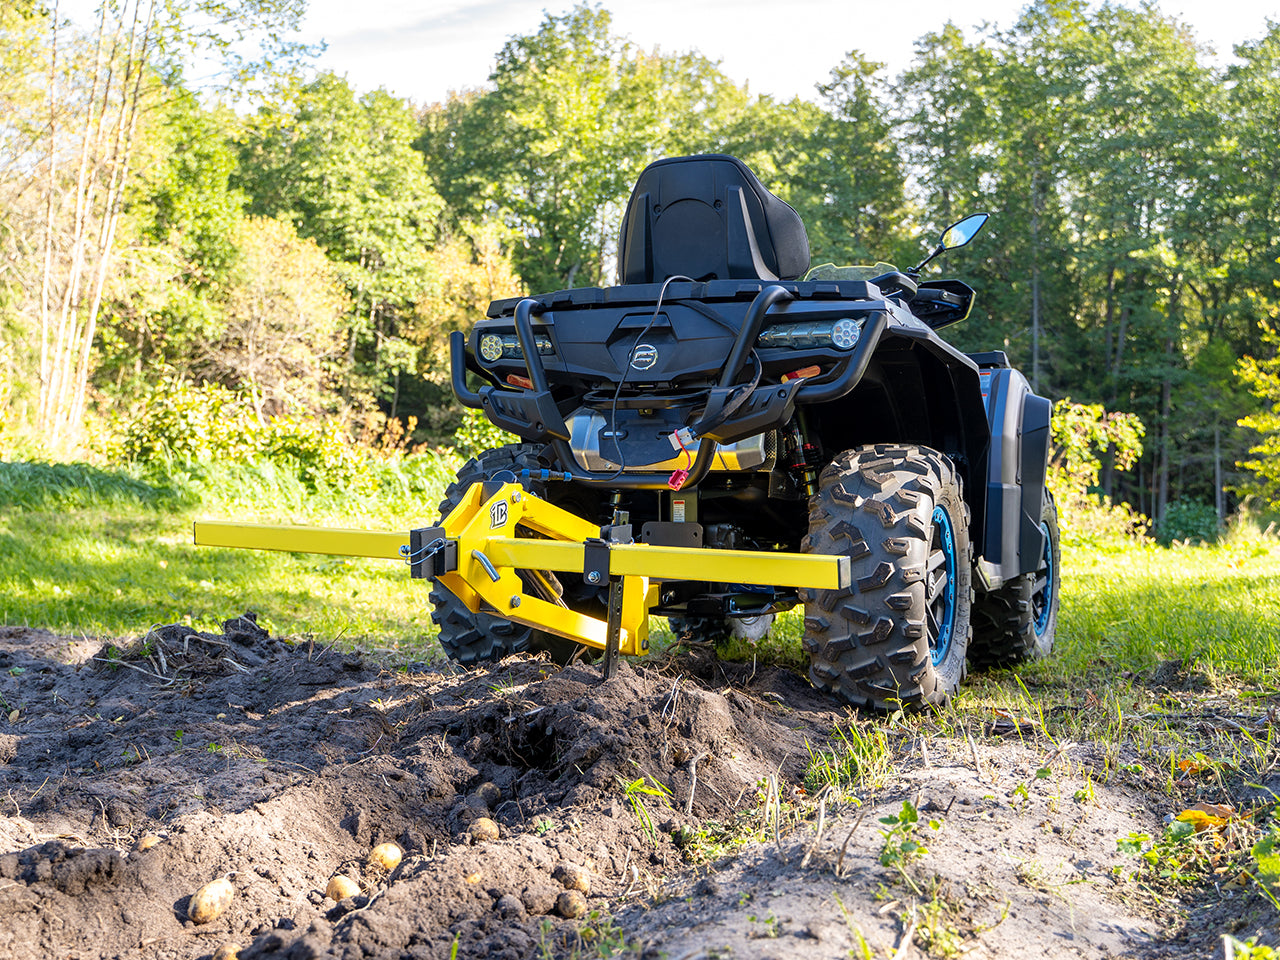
{"x": 131, "y": 777}
{"x": 279, "y": 765}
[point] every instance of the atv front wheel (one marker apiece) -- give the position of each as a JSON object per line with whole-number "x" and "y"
{"x": 899, "y": 634}
{"x": 470, "y": 638}
{"x": 1017, "y": 622}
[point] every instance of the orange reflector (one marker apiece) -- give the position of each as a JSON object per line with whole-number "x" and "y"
{"x": 518, "y": 381}
{"x": 802, "y": 372}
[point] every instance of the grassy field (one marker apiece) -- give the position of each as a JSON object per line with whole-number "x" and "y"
{"x": 108, "y": 553}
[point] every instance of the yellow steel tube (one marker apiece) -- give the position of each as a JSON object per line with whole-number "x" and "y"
{"x": 816, "y": 572}
{"x": 295, "y": 539}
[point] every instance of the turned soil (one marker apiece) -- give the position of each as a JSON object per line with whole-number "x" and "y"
{"x": 128, "y": 780}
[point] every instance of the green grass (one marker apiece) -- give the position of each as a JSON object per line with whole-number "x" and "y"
{"x": 1128, "y": 607}
{"x": 108, "y": 553}
{"x": 1216, "y": 608}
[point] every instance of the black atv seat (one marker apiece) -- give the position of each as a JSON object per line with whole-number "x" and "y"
{"x": 707, "y": 217}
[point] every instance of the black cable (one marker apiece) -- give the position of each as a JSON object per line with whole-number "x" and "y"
{"x": 613, "y": 406}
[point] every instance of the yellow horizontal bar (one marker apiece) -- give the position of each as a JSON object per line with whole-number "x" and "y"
{"x": 813, "y": 571}
{"x": 330, "y": 540}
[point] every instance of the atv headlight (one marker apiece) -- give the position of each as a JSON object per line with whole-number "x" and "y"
{"x": 845, "y": 333}
{"x": 842, "y": 334}
{"x": 494, "y": 346}
{"x": 491, "y": 347}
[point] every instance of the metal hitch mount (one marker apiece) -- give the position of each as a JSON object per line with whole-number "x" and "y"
{"x": 501, "y": 537}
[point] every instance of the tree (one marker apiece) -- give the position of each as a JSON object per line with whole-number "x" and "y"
{"x": 1261, "y": 376}
{"x": 283, "y": 321}
{"x": 856, "y": 170}
{"x": 342, "y": 169}
{"x": 180, "y": 247}
{"x": 837, "y": 164}
{"x": 95, "y": 92}
{"x": 552, "y": 150}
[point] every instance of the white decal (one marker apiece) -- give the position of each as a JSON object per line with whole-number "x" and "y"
{"x": 498, "y": 515}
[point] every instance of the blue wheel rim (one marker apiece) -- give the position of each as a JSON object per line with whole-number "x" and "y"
{"x": 940, "y": 593}
{"x": 1042, "y": 594}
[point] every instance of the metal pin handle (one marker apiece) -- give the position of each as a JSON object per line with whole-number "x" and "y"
{"x": 484, "y": 561}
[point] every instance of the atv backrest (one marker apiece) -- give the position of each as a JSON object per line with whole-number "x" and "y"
{"x": 708, "y": 218}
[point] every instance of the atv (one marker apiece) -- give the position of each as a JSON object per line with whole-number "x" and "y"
{"x": 725, "y": 396}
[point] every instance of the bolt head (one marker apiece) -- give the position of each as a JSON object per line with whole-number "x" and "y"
{"x": 515, "y": 497}
{"x": 593, "y": 576}
{"x": 515, "y": 601}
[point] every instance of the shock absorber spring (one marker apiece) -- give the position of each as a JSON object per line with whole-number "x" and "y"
{"x": 805, "y": 455}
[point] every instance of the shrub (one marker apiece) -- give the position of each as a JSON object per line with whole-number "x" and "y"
{"x": 1187, "y": 520}
{"x": 477, "y": 435}
{"x": 190, "y": 425}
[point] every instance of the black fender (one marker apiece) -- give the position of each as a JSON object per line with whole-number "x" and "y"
{"x": 1016, "y": 469}
{"x": 916, "y": 389}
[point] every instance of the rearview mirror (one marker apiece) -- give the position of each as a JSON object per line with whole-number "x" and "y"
{"x": 962, "y": 231}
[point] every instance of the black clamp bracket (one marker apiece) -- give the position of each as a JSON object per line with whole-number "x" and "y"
{"x": 595, "y": 571}
{"x": 595, "y": 561}
{"x": 430, "y": 553}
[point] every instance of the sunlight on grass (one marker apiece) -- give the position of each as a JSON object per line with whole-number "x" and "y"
{"x": 1130, "y": 608}
{"x": 1127, "y": 607}
{"x": 109, "y": 553}
{"x": 104, "y": 553}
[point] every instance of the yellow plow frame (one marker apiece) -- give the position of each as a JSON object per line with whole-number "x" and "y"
{"x": 477, "y": 555}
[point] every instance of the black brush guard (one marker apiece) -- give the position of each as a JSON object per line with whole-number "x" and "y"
{"x": 534, "y": 415}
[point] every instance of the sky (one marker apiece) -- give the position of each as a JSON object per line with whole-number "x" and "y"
{"x": 422, "y": 49}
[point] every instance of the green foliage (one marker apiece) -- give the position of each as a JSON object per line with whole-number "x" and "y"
{"x": 343, "y": 170}
{"x": 635, "y": 791}
{"x": 553, "y": 147}
{"x": 1128, "y": 258}
{"x": 903, "y": 843}
{"x": 1187, "y": 854}
{"x": 477, "y": 434}
{"x": 1266, "y": 857}
{"x": 1262, "y": 378}
{"x": 1187, "y": 521}
{"x": 190, "y": 425}
{"x": 1247, "y": 949}
{"x": 1081, "y": 432}
{"x": 1082, "y": 435}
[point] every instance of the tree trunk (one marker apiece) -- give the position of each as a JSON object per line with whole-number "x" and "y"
{"x": 70, "y": 332}
{"x": 1035, "y": 278}
{"x": 126, "y": 130}
{"x": 1219, "y": 501}
{"x": 46, "y": 283}
{"x": 1166, "y": 399}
